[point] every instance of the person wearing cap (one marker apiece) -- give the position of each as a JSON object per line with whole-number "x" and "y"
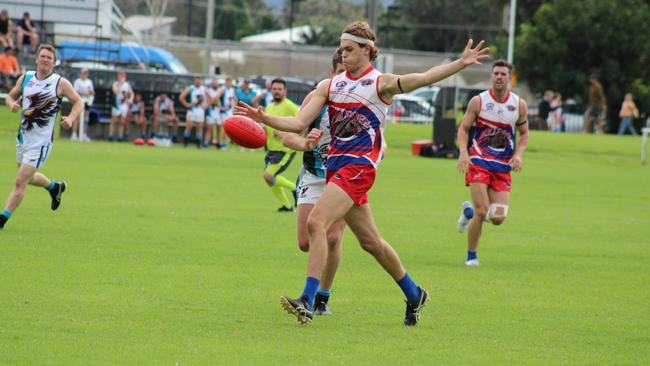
{"x": 26, "y": 33}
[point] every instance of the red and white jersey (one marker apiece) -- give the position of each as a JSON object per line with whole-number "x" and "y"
{"x": 494, "y": 133}
{"x": 357, "y": 117}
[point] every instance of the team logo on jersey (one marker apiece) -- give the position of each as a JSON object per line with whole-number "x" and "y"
{"x": 511, "y": 108}
{"x": 322, "y": 154}
{"x": 366, "y": 82}
{"x": 352, "y": 89}
{"x": 341, "y": 84}
{"x": 494, "y": 138}
{"x": 348, "y": 124}
{"x": 41, "y": 110}
{"x": 489, "y": 106}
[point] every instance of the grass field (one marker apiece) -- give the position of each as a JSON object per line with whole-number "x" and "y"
{"x": 176, "y": 257}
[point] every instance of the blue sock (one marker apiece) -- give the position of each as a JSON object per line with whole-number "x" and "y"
{"x": 186, "y": 135}
{"x": 410, "y": 289}
{"x": 199, "y": 136}
{"x": 52, "y": 185}
{"x": 6, "y": 214}
{"x": 471, "y": 255}
{"x": 311, "y": 286}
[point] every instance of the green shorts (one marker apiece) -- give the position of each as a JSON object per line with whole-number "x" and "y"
{"x": 277, "y": 161}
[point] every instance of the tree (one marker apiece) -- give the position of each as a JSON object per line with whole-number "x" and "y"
{"x": 566, "y": 41}
{"x": 326, "y": 20}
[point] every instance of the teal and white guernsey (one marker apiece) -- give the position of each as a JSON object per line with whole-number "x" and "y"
{"x": 40, "y": 105}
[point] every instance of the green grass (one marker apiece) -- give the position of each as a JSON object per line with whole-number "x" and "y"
{"x": 176, "y": 257}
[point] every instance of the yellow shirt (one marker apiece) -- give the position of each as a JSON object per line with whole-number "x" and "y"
{"x": 285, "y": 108}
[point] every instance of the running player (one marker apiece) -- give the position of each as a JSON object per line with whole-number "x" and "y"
{"x": 199, "y": 100}
{"x": 123, "y": 98}
{"x": 278, "y": 157}
{"x": 357, "y": 101}
{"x": 163, "y": 111}
{"x": 227, "y": 99}
{"x": 311, "y": 185}
{"x": 137, "y": 116}
{"x": 214, "y": 113}
{"x": 495, "y": 114}
{"x": 41, "y": 92}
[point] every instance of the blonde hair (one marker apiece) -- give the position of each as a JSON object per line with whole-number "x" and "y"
{"x": 362, "y": 29}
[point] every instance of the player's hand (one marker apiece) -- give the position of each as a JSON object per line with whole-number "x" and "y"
{"x": 256, "y": 114}
{"x": 313, "y": 137}
{"x": 515, "y": 163}
{"x": 66, "y": 122}
{"x": 15, "y": 107}
{"x": 474, "y": 55}
{"x": 463, "y": 163}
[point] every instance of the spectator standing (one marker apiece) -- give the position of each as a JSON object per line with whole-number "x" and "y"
{"x": 86, "y": 90}
{"x": 245, "y": 94}
{"x": 9, "y": 68}
{"x": 6, "y": 31}
{"x": 26, "y": 33}
{"x": 596, "y": 107}
{"x": 123, "y": 98}
{"x": 543, "y": 110}
{"x": 628, "y": 113}
{"x": 555, "y": 118}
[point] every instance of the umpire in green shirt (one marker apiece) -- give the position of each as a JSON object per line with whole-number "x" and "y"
{"x": 278, "y": 157}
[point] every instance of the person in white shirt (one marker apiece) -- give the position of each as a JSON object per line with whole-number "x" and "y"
{"x": 86, "y": 90}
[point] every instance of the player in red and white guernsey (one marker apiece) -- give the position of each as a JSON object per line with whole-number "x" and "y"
{"x": 357, "y": 102}
{"x": 495, "y": 114}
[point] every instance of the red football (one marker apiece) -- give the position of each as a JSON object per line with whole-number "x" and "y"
{"x": 245, "y": 132}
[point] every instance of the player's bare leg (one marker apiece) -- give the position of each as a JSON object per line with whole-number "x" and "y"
{"x": 362, "y": 224}
{"x": 331, "y": 207}
{"x": 481, "y": 199}
{"x": 207, "y": 139}
{"x": 187, "y": 133}
{"x": 501, "y": 198}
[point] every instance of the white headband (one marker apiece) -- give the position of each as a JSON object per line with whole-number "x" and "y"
{"x": 352, "y": 37}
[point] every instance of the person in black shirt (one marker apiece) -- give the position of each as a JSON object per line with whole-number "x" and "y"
{"x": 26, "y": 33}
{"x": 6, "y": 36}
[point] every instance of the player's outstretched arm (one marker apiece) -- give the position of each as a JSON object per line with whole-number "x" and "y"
{"x": 295, "y": 124}
{"x": 66, "y": 90}
{"x": 395, "y": 84}
{"x": 12, "y": 97}
{"x": 463, "y": 132}
{"x": 522, "y": 128}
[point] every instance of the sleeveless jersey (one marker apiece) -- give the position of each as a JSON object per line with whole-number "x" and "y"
{"x": 227, "y": 98}
{"x": 122, "y": 95}
{"x": 212, "y": 92}
{"x": 40, "y": 105}
{"x": 197, "y": 96}
{"x": 135, "y": 107}
{"x": 357, "y": 116}
{"x": 315, "y": 161}
{"x": 164, "y": 106}
{"x": 494, "y": 134}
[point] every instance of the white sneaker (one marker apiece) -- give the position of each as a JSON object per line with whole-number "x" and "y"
{"x": 85, "y": 138}
{"x": 463, "y": 220}
{"x": 74, "y": 137}
{"x": 472, "y": 263}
